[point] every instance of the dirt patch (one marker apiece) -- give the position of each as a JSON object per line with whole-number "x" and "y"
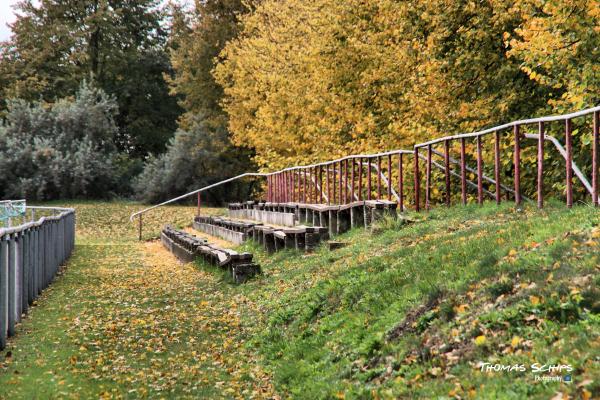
{"x": 407, "y": 325}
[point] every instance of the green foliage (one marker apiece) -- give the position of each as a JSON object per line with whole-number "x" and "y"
{"x": 194, "y": 158}
{"x": 201, "y": 152}
{"x": 119, "y": 44}
{"x": 63, "y": 150}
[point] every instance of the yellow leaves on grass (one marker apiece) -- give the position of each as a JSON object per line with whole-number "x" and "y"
{"x": 535, "y": 300}
{"x": 480, "y": 340}
{"x": 516, "y": 340}
{"x": 460, "y": 309}
{"x": 154, "y": 326}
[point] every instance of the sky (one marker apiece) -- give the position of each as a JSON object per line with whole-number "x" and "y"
{"x": 6, "y": 15}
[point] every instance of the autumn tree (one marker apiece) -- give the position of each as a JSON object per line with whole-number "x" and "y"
{"x": 310, "y": 81}
{"x": 558, "y": 43}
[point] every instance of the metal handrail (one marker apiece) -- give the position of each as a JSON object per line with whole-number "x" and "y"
{"x": 514, "y": 124}
{"x": 550, "y": 118}
{"x": 183, "y": 196}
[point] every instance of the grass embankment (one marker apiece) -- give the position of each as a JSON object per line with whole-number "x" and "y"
{"x": 406, "y": 310}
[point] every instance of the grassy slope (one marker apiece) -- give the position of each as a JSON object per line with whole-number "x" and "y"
{"x": 521, "y": 282}
{"x": 396, "y": 313}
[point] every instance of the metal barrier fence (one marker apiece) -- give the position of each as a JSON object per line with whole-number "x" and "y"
{"x": 383, "y": 175}
{"x": 30, "y": 255}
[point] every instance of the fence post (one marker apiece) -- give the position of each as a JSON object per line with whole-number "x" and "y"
{"x": 400, "y": 183}
{"x": 140, "y": 227}
{"x": 379, "y": 178}
{"x": 345, "y": 181}
{"x": 11, "y": 284}
{"x": 569, "y": 163}
{"x": 389, "y": 170}
{"x": 463, "y": 172}
{"x": 497, "y": 166}
{"x": 353, "y": 178}
{"x": 428, "y": 179}
{"x": 360, "y": 178}
{"x": 321, "y": 184}
{"x": 540, "y": 166}
{"x": 479, "y": 172}
{"x": 3, "y": 291}
{"x": 596, "y": 127}
{"x": 369, "y": 178}
{"x": 447, "y": 169}
{"x": 517, "y": 162}
{"x": 417, "y": 183}
{"x": 341, "y": 182}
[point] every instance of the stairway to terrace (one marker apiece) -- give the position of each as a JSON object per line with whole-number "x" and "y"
{"x": 275, "y": 226}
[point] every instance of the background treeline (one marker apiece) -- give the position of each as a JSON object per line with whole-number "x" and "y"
{"x": 186, "y": 97}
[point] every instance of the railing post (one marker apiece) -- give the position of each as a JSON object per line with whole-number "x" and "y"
{"x": 341, "y": 182}
{"x": 360, "y": 178}
{"x": 345, "y": 181}
{"x": 379, "y": 178}
{"x": 417, "y": 183}
{"x": 369, "y": 178}
{"x": 596, "y": 127}
{"x": 321, "y": 184}
{"x": 400, "y": 183}
{"x": 293, "y": 184}
{"x": 198, "y": 211}
{"x": 353, "y": 179}
{"x": 328, "y": 184}
{"x": 479, "y": 172}
{"x": 428, "y": 179}
{"x": 316, "y": 181}
{"x": 517, "y": 161}
{"x": 497, "y": 166}
{"x": 304, "y": 186}
{"x": 447, "y": 169}
{"x": 540, "y": 167}
{"x": 463, "y": 172}
{"x": 389, "y": 184}
{"x": 286, "y": 186}
{"x": 334, "y": 182}
{"x": 569, "y": 163}
{"x": 140, "y": 227}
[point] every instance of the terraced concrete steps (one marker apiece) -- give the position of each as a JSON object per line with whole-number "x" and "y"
{"x": 272, "y": 237}
{"x": 188, "y": 247}
{"x": 337, "y": 218}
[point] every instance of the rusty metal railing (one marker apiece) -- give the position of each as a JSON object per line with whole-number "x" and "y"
{"x": 382, "y": 176}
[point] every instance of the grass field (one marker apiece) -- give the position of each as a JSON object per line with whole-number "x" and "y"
{"x": 409, "y": 309}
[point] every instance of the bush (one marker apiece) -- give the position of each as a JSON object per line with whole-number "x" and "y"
{"x": 60, "y": 150}
{"x": 194, "y": 158}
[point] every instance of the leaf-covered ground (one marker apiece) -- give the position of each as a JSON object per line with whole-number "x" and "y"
{"x": 406, "y": 310}
{"x": 126, "y": 320}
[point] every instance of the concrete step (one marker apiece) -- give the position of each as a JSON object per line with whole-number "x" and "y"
{"x": 337, "y": 218}
{"x": 272, "y": 237}
{"x": 188, "y": 247}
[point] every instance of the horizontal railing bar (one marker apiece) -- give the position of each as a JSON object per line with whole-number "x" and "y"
{"x": 183, "y": 196}
{"x": 20, "y": 228}
{"x": 511, "y": 125}
{"x": 392, "y": 152}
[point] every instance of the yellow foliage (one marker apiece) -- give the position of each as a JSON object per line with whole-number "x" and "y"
{"x": 310, "y": 81}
